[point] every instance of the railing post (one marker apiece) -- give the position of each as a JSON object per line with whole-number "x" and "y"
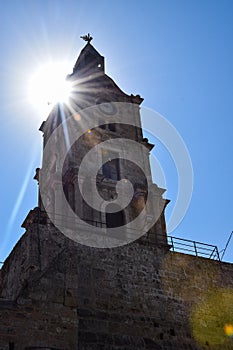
{"x": 212, "y": 253}
{"x": 173, "y": 247}
{"x": 195, "y": 248}
{"x": 218, "y": 256}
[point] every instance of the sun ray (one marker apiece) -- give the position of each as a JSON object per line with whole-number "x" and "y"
{"x": 65, "y": 130}
{"x": 21, "y": 195}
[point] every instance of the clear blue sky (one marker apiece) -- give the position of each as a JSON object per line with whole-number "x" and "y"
{"x": 177, "y": 54}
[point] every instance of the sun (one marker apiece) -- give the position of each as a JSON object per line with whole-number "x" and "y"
{"x": 48, "y": 85}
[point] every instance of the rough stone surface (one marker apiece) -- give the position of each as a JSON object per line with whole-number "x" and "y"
{"x": 137, "y": 296}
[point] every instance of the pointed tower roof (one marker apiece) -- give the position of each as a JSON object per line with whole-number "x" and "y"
{"x": 90, "y": 79}
{"x": 89, "y": 61}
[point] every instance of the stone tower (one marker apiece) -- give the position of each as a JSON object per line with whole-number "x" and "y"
{"x": 72, "y": 282}
{"x": 101, "y": 119}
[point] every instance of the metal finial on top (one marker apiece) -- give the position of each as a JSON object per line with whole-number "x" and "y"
{"x": 87, "y": 38}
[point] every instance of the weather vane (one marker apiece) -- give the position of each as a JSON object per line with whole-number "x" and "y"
{"x": 87, "y": 38}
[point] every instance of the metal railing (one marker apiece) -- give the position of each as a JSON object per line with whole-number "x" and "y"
{"x": 179, "y": 245}
{"x": 187, "y": 246}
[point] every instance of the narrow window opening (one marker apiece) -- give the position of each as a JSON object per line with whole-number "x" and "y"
{"x": 110, "y": 168}
{"x": 115, "y": 219}
{"x": 112, "y": 127}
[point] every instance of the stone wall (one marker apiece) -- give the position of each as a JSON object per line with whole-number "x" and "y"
{"x": 137, "y": 296}
{"x": 36, "y": 326}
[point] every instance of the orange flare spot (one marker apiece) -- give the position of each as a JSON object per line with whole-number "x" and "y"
{"x": 228, "y": 329}
{"x": 77, "y": 117}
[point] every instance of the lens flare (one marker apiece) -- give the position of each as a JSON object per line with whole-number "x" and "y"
{"x": 48, "y": 85}
{"x": 228, "y": 329}
{"x": 77, "y": 117}
{"x": 212, "y": 319}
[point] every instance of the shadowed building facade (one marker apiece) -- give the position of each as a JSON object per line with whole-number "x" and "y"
{"x": 72, "y": 282}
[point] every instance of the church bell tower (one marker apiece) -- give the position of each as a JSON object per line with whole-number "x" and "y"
{"x": 95, "y": 182}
